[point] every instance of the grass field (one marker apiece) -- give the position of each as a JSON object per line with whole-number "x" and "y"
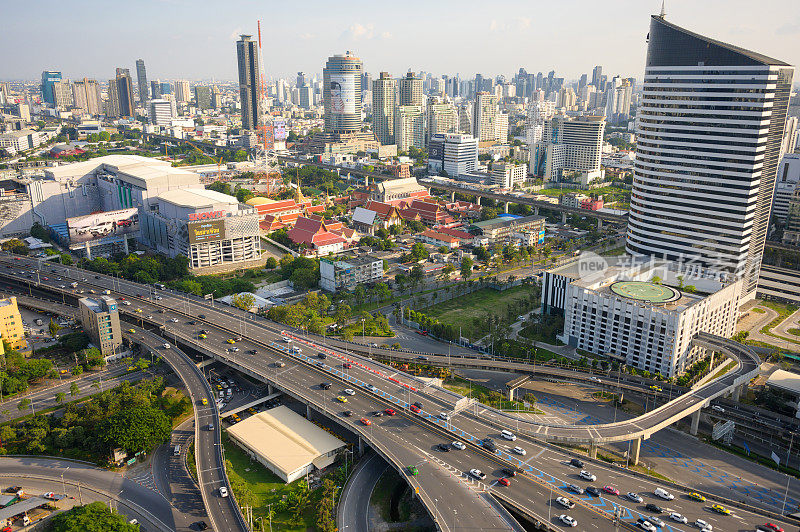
{"x": 486, "y": 396}
{"x": 461, "y": 311}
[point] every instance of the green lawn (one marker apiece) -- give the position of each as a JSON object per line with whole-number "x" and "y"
{"x": 486, "y": 396}
{"x": 461, "y": 311}
{"x": 265, "y": 487}
{"x": 616, "y": 252}
{"x": 794, "y": 330}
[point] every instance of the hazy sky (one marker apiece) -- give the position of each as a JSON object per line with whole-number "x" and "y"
{"x": 194, "y": 39}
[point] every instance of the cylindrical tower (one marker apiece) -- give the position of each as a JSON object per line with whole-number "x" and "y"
{"x": 341, "y": 93}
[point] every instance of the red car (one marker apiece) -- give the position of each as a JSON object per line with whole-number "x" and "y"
{"x": 611, "y": 489}
{"x": 389, "y": 412}
{"x": 504, "y": 481}
{"x": 773, "y": 527}
{"x": 365, "y": 421}
{"x": 415, "y": 409}
{"x": 347, "y": 365}
{"x": 122, "y": 299}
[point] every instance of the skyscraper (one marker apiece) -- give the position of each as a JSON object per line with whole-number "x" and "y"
{"x": 410, "y": 90}
{"x": 86, "y": 94}
{"x": 301, "y": 79}
{"x": 202, "y": 96}
{"x": 597, "y": 74}
{"x": 182, "y": 92}
{"x": 249, "y": 77}
{"x": 341, "y": 93}
{"x": 442, "y": 117}
{"x": 710, "y": 119}
{"x": 483, "y": 117}
{"x": 155, "y": 90}
{"x": 48, "y": 78}
{"x": 383, "y": 103}
{"x": 141, "y": 79}
{"x": 124, "y": 93}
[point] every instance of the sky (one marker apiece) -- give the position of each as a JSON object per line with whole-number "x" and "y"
{"x": 195, "y": 39}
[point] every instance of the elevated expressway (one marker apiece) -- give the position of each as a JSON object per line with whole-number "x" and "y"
{"x": 406, "y": 439}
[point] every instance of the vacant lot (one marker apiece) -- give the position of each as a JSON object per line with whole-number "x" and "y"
{"x": 469, "y": 311}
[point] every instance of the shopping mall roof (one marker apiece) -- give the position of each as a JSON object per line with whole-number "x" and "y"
{"x": 785, "y": 380}
{"x": 285, "y": 439}
{"x": 196, "y": 197}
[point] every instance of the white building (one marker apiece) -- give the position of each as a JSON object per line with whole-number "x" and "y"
{"x": 160, "y": 112}
{"x": 570, "y": 150}
{"x": 442, "y": 117}
{"x": 634, "y": 312}
{"x": 455, "y": 153}
{"x": 786, "y": 181}
{"x": 506, "y": 175}
{"x": 484, "y": 117}
{"x": 501, "y": 128}
{"x": 348, "y": 272}
{"x": 409, "y": 127}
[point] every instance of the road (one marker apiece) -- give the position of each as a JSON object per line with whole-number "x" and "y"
{"x": 353, "y": 512}
{"x": 135, "y": 501}
{"x": 404, "y": 437}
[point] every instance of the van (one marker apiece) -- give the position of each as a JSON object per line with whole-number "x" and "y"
{"x": 508, "y": 435}
{"x": 664, "y": 494}
{"x": 38, "y": 321}
{"x": 176, "y": 451}
{"x": 107, "y": 292}
{"x": 160, "y": 286}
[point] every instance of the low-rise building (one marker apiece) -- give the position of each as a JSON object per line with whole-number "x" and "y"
{"x": 573, "y": 199}
{"x": 396, "y": 191}
{"x": 345, "y": 273}
{"x": 439, "y": 239}
{"x": 376, "y": 215}
{"x": 506, "y": 175}
{"x": 315, "y": 236}
{"x": 501, "y": 228}
{"x": 100, "y": 320}
{"x": 11, "y": 329}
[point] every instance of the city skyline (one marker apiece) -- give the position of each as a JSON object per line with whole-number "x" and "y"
{"x": 503, "y": 38}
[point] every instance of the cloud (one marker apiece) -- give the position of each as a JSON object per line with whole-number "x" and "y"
{"x": 360, "y": 31}
{"x": 306, "y": 36}
{"x": 790, "y": 28}
{"x": 234, "y": 36}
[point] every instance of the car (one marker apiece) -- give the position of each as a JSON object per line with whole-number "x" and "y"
{"x": 161, "y": 311}
{"x": 772, "y": 527}
{"x": 348, "y": 391}
{"x": 138, "y": 310}
{"x": 341, "y": 398}
{"x": 210, "y": 426}
{"x": 508, "y": 435}
{"x": 720, "y": 509}
{"x": 412, "y": 470}
{"x": 223, "y": 491}
{"x": 133, "y": 522}
{"x": 718, "y": 409}
{"x": 519, "y": 451}
{"x": 365, "y": 421}
{"x": 574, "y": 488}
{"x": 576, "y": 463}
{"x": 635, "y": 497}
{"x": 444, "y": 416}
{"x": 696, "y": 497}
{"x": 377, "y": 413}
{"x": 280, "y": 364}
{"x": 370, "y": 387}
{"x": 509, "y": 472}
{"x": 477, "y": 473}
{"x": 593, "y": 491}
{"x": 347, "y": 365}
{"x": 422, "y": 358}
{"x": 173, "y": 320}
{"x": 252, "y": 351}
{"x": 418, "y": 404}
{"x": 458, "y": 445}
{"x": 566, "y": 503}
{"x": 233, "y": 349}
{"x": 653, "y": 508}
{"x": 663, "y": 494}
{"x": 656, "y": 388}
{"x": 414, "y": 409}
{"x": 585, "y": 475}
{"x": 149, "y": 317}
{"x": 205, "y": 401}
{"x": 390, "y": 412}
{"x": 348, "y": 413}
{"x": 489, "y": 444}
{"x": 503, "y": 481}
{"x": 201, "y": 525}
{"x": 443, "y": 447}
{"x": 131, "y": 331}
{"x": 703, "y": 525}
{"x": 644, "y": 524}
{"x": 322, "y": 356}
{"x": 201, "y": 316}
{"x": 230, "y": 341}
{"x": 132, "y": 368}
{"x": 678, "y": 518}
{"x": 49, "y": 495}
{"x": 656, "y": 521}
{"x": 325, "y": 385}
{"x": 611, "y": 490}
{"x": 126, "y": 303}
{"x": 568, "y": 520}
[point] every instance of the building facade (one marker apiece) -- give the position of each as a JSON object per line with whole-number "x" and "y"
{"x": 442, "y": 117}
{"x": 507, "y": 175}
{"x": 710, "y": 125}
{"x": 141, "y": 81}
{"x": 484, "y": 116}
{"x": 249, "y": 68}
{"x": 383, "y": 103}
{"x": 786, "y": 182}
{"x": 159, "y": 112}
{"x": 11, "y": 329}
{"x": 410, "y": 90}
{"x": 49, "y": 77}
{"x": 86, "y": 95}
{"x": 100, "y": 319}
{"x": 341, "y": 93}
{"x": 569, "y": 150}
{"x": 345, "y": 273}
{"x": 454, "y": 153}
{"x": 409, "y": 127}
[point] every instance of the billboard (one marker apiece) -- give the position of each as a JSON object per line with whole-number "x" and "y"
{"x": 343, "y": 94}
{"x": 102, "y": 224}
{"x": 206, "y": 231}
{"x": 279, "y": 129}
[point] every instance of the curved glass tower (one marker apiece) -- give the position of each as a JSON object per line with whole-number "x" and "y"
{"x": 341, "y": 93}
{"x": 709, "y": 129}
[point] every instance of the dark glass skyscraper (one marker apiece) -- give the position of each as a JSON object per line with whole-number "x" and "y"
{"x": 249, "y": 79}
{"x": 710, "y": 124}
{"x": 49, "y": 78}
{"x": 141, "y": 79}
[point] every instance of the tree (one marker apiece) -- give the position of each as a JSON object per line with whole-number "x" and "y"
{"x": 24, "y": 404}
{"x": 136, "y": 428}
{"x": 482, "y": 253}
{"x": 60, "y": 397}
{"x": 271, "y": 263}
{"x": 94, "y": 517}
{"x": 244, "y": 301}
{"x": 466, "y": 267}
{"x": 417, "y": 275}
{"x": 74, "y": 389}
{"x": 448, "y": 270}
{"x": 419, "y": 252}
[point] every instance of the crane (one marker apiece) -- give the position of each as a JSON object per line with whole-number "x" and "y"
{"x": 218, "y": 161}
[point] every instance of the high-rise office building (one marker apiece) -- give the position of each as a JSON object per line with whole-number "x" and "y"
{"x": 62, "y": 94}
{"x": 597, "y": 74}
{"x": 49, "y": 77}
{"x": 710, "y": 123}
{"x": 410, "y": 90}
{"x": 202, "y": 97}
{"x": 484, "y": 116}
{"x": 301, "y": 79}
{"x": 159, "y": 112}
{"x": 166, "y": 88}
{"x": 86, "y": 95}
{"x": 383, "y": 103}
{"x": 409, "y": 127}
{"x": 141, "y": 79}
{"x": 182, "y": 92}
{"x": 455, "y": 154}
{"x": 124, "y": 92}
{"x": 249, "y": 79}
{"x": 570, "y": 150}
{"x": 306, "y": 96}
{"x": 155, "y": 90}
{"x": 442, "y": 117}
{"x": 341, "y": 93}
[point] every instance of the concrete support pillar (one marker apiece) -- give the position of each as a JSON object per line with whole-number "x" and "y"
{"x": 695, "y": 423}
{"x": 125, "y": 245}
{"x": 360, "y": 446}
{"x": 511, "y": 393}
{"x": 599, "y": 225}
{"x": 505, "y": 207}
{"x": 536, "y": 211}
{"x": 737, "y": 392}
{"x": 592, "y": 450}
{"x": 563, "y": 217}
{"x": 308, "y": 412}
{"x": 636, "y": 447}
{"x": 270, "y": 389}
{"x": 88, "y": 251}
{"x": 478, "y": 200}
{"x": 452, "y": 197}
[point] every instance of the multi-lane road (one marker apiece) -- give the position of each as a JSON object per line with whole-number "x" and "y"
{"x": 407, "y": 438}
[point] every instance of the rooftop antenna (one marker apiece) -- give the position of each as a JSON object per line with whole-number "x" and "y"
{"x": 663, "y": 13}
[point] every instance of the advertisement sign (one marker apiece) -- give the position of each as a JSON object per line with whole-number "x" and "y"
{"x": 343, "y": 94}
{"x": 209, "y": 231}
{"x": 279, "y": 129}
{"x": 102, "y": 224}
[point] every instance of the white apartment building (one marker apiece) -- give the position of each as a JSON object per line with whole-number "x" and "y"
{"x": 348, "y": 272}
{"x": 570, "y": 150}
{"x": 786, "y": 181}
{"x": 442, "y": 117}
{"x": 506, "y": 175}
{"x": 501, "y": 128}
{"x": 484, "y": 117}
{"x": 182, "y": 92}
{"x": 621, "y": 313}
{"x": 383, "y": 104}
{"x": 409, "y": 127}
{"x": 455, "y": 153}
{"x": 160, "y": 112}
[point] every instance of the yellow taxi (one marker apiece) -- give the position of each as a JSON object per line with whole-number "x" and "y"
{"x": 341, "y": 399}
{"x": 138, "y": 310}
{"x": 720, "y": 509}
{"x": 697, "y": 497}
{"x": 656, "y": 388}
{"x": 131, "y": 368}
{"x": 205, "y": 401}
{"x": 131, "y": 331}
{"x": 231, "y": 341}
{"x": 202, "y": 336}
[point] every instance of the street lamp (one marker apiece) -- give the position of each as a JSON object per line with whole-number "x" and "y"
{"x": 63, "y": 485}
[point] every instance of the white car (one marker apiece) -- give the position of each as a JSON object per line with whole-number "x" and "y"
{"x": 585, "y": 475}
{"x": 678, "y": 518}
{"x": 174, "y": 320}
{"x": 458, "y": 445}
{"x": 348, "y": 391}
{"x": 718, "y": 408}
{"x": 655, "y": 520}
{"x": 568, "y": 520}
{"x": 635, "y": 497}
{"x": 566, "y": 503}
{"x": 223, "y": 491}
{"x": 646, "y": 525}
{"x": 477, "y": 473}
{"x": 287, "y": 340}
{"x": 703, "y": 525}
{"x": 126, "y": 303}
{"x": 664, "y": 494}
{"x": 371, "y": 388}
{"x": 166, "y": 345}
{"x": 520, "y": 451}
{"x": 444, "y": 415}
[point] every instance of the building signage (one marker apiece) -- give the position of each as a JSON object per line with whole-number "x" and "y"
{"x": 102, "y": 224}
{"x": 210, "y": 215}
{"x": 210, "y": 231}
